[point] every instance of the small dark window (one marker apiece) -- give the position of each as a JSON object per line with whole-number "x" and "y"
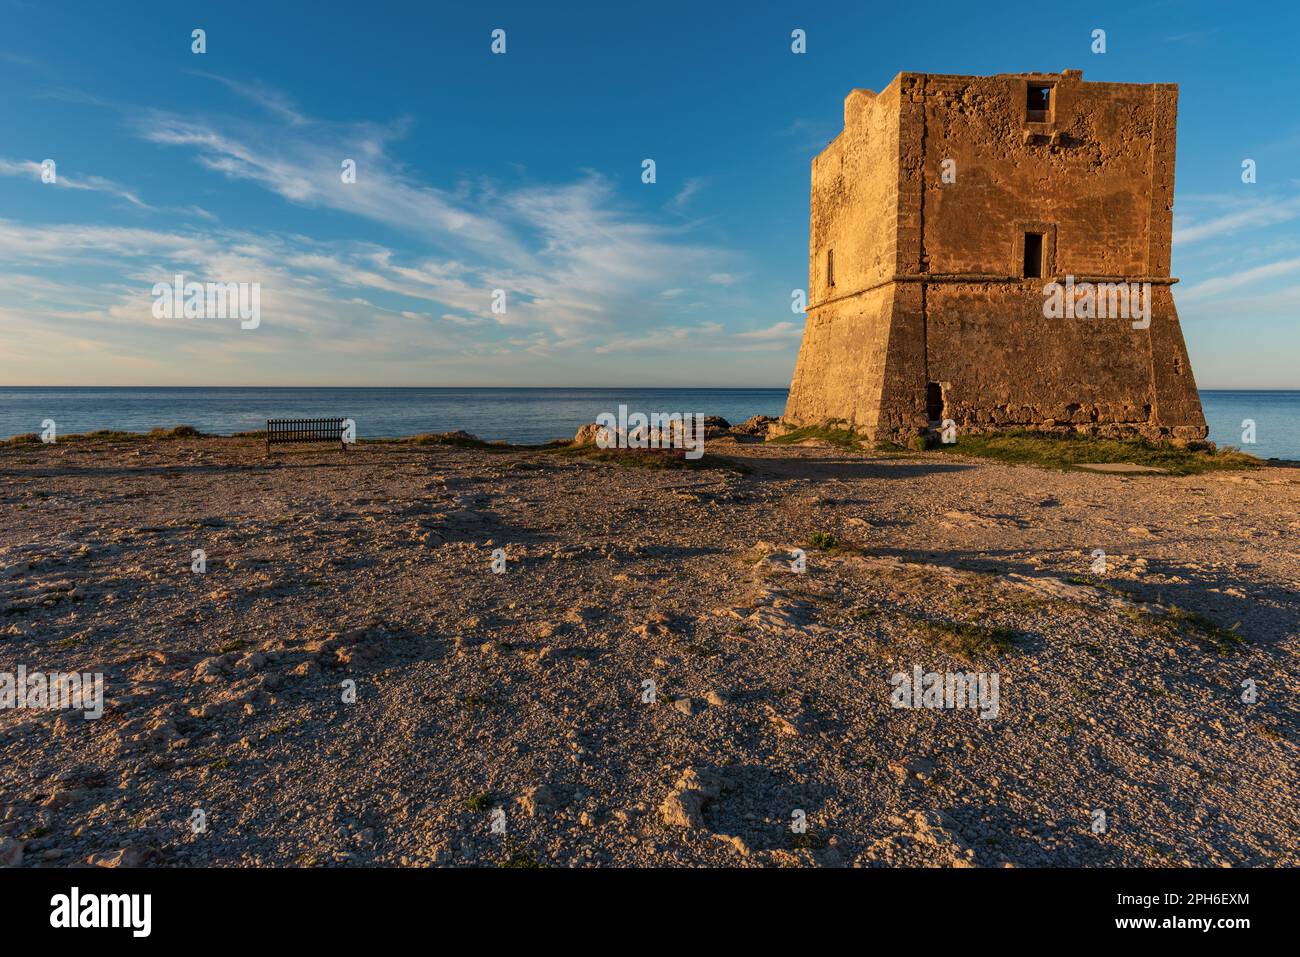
{"x": 830, "y": 267}
{"x": 1033, "y": 255}
{"x": 933, "y": 401}
{"x": 1038, "y": 103}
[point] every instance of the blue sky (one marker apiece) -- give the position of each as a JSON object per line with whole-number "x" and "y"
{"x": 523, "y": 171}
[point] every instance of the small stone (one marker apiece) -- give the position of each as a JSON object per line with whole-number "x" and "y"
{"x": 134, "y": 856}
{"x": 682, "y": 809}
{"x": 537, "y": 800}
{"x": 684, "y": 804}
{"x": 782, "y": 725}
{"x": 830, "y": 857}
{"x": 737, "y": 842}
{"x": 11, "y": 853}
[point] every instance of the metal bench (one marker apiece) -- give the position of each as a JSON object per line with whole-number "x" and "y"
{"x": 279, "y": 431}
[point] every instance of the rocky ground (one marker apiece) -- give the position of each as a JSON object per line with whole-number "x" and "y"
{"x": 647, "y": 682}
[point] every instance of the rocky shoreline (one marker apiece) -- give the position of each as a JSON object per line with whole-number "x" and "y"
{"x": 647, "y": 681}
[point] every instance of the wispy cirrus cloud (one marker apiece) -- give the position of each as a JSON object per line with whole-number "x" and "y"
{"x": 583, "y": 272}
{"x": 1221, "y": 285}
{"x": 566, "y": 254}
{"x": 33, "y": 170}
{"x": 303, "y": 164}
{"x": 1242, "y": 215}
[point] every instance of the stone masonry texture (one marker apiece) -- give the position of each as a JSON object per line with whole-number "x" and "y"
{"x": 922, "y": 304}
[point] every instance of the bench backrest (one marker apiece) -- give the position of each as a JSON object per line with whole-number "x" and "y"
{"x": 304, "y": 430}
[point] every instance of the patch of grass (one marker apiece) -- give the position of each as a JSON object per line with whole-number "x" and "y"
{"x": 112, "y": 435}
{"x": 458, "y": 440}
{"x": 1175, "y": 619}
{"x": 515, "y": 854}
{"x": 99, "y": 435}
{"x": 1068, "y": 452}
{"x": 179, "y": 432}
{"x": 969, "y": 640}
{"x": 1202, "y": 629}
{"x": 462, "y": 440}
{"x": 808, "y": 840}
{"x": 478, "y": 803}
{"x": 701, "y": 651}
{"x": 836, "y": 432}
{"x": 646, "y": 458}
{"x": 822, "y": 540}
{"x": 1267, "y": 731}
{"x": 1131, "y": 613}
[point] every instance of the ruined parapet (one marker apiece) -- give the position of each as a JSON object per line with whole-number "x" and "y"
{"x": 940, "y": 217}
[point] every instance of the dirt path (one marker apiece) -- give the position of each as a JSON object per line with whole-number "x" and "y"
{"x": 648, "y": 681}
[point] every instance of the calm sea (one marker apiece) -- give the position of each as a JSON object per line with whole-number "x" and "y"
{"x": 516, "y": 415}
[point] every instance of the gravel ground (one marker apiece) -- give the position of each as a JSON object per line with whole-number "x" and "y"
{"x": 648, "y": 683}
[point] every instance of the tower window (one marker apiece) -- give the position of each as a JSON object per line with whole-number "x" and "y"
{"x": 830, "y": 267}
{"x": 1033, "y": 255}
{"x": 1038, "y": 103}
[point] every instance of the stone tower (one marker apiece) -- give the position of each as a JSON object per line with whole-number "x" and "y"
{"x": 942, "y": 213}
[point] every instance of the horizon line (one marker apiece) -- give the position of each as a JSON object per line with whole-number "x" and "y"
{"x": 728, "y": 388}
{"x": 665, "y": 388}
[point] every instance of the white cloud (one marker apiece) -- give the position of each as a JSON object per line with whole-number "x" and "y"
{"x": 1248, "y": 214}
{"x": 583, "y": 273}
{"x": 1219, "y": 285}
{"x": 686, "y": 193}
{"x": 33, "y": 169}
{"x": 777, "y": 332}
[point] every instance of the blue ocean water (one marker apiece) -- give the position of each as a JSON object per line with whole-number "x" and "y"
{"x": 516, "y": 415}
{"x": 1275, "y": 412}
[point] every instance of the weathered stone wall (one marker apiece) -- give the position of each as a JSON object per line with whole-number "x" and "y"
{"x": 852, "y": 334}
{"x": 1093, "y": 183}
{"x": 1095, "y": 177}
{"x": 1003, "y": 366}
{"x": 854, "y": 206}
